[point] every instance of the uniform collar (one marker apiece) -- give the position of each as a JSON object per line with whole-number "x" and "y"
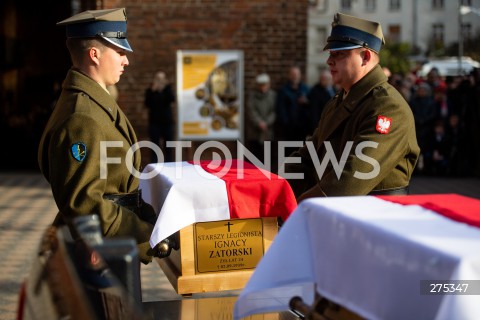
{"x": 359, "y": 90}
{"x": 78, "y": 81}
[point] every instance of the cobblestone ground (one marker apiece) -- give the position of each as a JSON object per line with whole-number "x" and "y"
{"x": 27, "y": 208}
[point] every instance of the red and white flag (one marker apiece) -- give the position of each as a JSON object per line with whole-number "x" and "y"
{"x": 183, "y": 193}
{"x": 367, "y": 251}
{"x": 453, "y": 206}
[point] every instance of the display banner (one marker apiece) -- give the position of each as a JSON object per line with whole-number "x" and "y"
{"x": 210, "y": 95}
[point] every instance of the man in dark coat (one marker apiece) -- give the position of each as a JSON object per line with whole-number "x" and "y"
{"x": 365, "y": 142}
{"x": 292, "y": 107}
{"x": 159, "y": 99}
{"x": 318, "y": 96}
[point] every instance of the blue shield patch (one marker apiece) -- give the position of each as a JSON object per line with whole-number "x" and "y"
{"x": 79, "y": 151}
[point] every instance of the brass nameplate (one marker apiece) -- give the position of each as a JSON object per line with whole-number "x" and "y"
{"x": 228, "y": 244}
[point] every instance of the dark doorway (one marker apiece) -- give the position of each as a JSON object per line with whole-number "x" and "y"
{"x": 33, "y": 61}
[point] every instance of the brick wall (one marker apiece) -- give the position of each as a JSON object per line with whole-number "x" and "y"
{"x": 271, "y": 33}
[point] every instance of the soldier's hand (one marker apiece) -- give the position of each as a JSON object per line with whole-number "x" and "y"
{"x": 145, "y": 252}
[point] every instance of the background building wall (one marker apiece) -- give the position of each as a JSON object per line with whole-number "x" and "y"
{"x": 33, "y": 57}
{"x": 271, "y": 34}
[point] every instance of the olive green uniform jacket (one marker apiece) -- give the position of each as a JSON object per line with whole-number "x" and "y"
{"x": 86, "y": 114}
{"x": 385, "y": 161}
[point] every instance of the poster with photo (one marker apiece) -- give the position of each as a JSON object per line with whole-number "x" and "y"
{"x": 210, "y": 95}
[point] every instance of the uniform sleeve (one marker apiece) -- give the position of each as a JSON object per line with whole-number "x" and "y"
{"x": 373, "y": 155}
{"x": 304, "y": 167}
{"x": 76, "y": 183}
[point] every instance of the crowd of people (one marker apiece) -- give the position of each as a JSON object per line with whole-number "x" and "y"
{"x": 290, "y": 113}
{"x": 446, "y": 112}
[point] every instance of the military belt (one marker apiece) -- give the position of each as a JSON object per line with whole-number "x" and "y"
{"x": 390, "y": 192}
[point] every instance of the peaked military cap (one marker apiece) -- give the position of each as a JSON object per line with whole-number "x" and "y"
{"x": 109, "y": 24}
{"x": 350, "y": 32}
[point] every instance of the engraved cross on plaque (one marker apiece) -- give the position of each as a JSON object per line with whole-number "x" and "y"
{"x": 228, "y": 224}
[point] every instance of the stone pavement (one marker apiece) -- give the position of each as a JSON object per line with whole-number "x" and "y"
{"x": 27, "y": 208}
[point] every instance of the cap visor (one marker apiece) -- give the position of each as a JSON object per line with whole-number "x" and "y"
{"x": 339, "y": 45}
{"x": 121, "y": 43}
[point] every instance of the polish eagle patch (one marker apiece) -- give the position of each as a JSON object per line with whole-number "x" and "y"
{"x": 383, "y": 124}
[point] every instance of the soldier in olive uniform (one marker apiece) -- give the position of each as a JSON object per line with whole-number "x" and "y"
{"x": 366, "y": 132}
{"x": 88, "y": 129}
